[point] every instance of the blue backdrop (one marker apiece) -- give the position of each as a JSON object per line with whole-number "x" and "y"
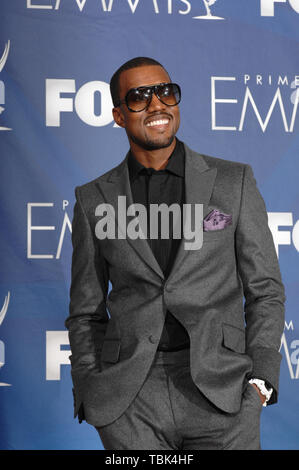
{"x": 238, "y": 66}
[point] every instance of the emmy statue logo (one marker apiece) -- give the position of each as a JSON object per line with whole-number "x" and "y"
{"x": 2, "y": 316}
{"x": 208, "y": 16}
{"x": 2, "y": 86}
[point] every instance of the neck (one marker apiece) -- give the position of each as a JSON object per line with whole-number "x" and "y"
{"x": 156, "y": 159}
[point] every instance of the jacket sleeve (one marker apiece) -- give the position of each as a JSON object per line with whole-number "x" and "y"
{"x": 263, "y": 289}
{"x": 88, "y": 317}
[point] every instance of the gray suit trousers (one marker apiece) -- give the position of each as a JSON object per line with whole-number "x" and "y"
{"x": 170, "y": 413}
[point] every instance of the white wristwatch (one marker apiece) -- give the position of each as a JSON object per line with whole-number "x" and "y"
{"x": 262, "y": 387}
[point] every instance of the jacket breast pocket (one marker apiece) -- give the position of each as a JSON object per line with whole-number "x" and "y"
{"x": 110, "y": 351}
{"x": 233, "y": 338}
{"x": 224, "y": 234}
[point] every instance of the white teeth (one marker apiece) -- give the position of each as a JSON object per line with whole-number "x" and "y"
{"x": 158, "y": 123}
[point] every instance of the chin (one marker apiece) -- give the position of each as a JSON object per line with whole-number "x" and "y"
{"x": 155, "y": 144}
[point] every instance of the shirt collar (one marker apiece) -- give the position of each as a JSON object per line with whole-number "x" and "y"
{"x": 175, "y": 164}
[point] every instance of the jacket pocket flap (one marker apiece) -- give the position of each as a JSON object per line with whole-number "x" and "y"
{"x": 233, "y": 338}
{"x": 110, "y": 351}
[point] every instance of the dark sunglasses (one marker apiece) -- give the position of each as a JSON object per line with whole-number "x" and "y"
{"x": 138, "y": 99}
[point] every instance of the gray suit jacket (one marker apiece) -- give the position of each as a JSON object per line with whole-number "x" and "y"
{"x": 114, "y": 339}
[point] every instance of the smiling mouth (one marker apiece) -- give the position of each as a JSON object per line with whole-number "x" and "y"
{"x": 157, "y": 122}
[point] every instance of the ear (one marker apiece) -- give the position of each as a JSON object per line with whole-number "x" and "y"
{"x": 118, "y": 117}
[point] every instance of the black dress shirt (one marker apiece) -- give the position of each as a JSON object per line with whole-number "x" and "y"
{"x": 150, "y": 186}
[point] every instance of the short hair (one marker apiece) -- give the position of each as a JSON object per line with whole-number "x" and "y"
{"x": 130, "y": 64}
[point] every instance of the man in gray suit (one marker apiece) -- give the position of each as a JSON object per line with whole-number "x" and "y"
{"x": 168, "y": 360}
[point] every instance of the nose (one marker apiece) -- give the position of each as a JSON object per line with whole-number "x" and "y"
{"x": 155, "y": 104}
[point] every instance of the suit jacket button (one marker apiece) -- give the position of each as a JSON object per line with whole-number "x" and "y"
{"x": 152, "y": 339}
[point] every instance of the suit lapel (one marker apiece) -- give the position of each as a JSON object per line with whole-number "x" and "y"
{"x": 118, "y": 184}
{"x": 199, "y": 182}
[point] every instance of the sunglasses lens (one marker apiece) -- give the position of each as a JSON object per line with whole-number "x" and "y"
{"x": 169, "y": 94}
{"x": 138, "y": 99}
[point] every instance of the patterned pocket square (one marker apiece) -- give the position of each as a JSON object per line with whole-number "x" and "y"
{"x": 216, "y": 220}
